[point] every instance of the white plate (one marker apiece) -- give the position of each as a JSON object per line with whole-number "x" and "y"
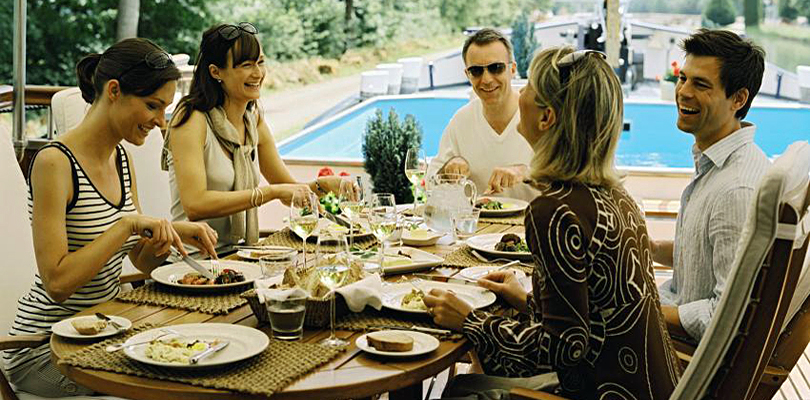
{"x": 476, "y": 273}
{"x": 246, "y": 253}
{"x": 245, "y": 342}
{"x": 422, "y": 344}
{"x": 475, "y": 296}
{"x": 486, "y": 244}
{"x": 170, "y": 274}
{"x": 510, "y": 206}
{"x": 409, "y": 259}
{"x": 64, "y": 328}
{"x": 429, "y": 239}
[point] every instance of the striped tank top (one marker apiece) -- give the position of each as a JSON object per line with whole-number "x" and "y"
{"x": 88, "y": 215}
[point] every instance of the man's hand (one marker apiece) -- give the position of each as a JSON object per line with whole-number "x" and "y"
{"x": 505, "y": 177}
{"x": 456, "y": 165}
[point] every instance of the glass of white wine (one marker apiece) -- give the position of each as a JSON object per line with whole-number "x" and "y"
{"x": 415, "y": 170}
{"x": 383, "y": 223}
{"x": 351, "y": 203}
{"x": 304, "y": 216}
{"x": 332, "y": 267}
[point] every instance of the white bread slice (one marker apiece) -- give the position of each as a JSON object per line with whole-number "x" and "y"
{"x": 88, "y": 326}
{"x": 390, "y": 341}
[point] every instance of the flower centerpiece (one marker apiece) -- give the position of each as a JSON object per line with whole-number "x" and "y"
{"x": 667, "y": 84}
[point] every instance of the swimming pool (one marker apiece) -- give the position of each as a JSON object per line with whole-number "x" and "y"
{"x": 653, "y": 140}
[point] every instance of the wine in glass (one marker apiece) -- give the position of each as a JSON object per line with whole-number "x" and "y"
{"x": 351, "y": 203}
{"x": 383, "y": 222}
{"x": 332, "y": 267}
{"x": 415, "y": 170}
{"x": 304, "y": 216}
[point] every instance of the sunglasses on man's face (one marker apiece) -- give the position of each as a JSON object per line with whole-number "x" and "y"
{"x": 156, "y": 60}
{"x": 494, "y": 69}
{"x": 567, "y": 62}
{"x": 231, "y": 32}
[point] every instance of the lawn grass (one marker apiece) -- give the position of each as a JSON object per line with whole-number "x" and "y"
{"x": 782, "y": 31}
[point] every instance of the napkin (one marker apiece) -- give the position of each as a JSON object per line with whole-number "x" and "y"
{"x": 269, "y": 282}
{"x": 280, "y": 294}
{"x": 367, "y": 291}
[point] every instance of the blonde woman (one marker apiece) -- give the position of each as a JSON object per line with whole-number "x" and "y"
{"x": 594, "y": 313}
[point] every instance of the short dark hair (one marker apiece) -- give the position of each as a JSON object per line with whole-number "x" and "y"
{"x": 483, "y": 37}
{"x": 123, "y": 61}
{"x": 742, "y": 63}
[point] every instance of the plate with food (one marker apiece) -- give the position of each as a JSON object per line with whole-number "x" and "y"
{"x": 399, "y": 260}
{"x": 229, "y": 343}
{"x": 476, "y": 273}
{"x": 232, "y": 274}
{"x": 254, "y": 254}
{"x": 420, "y": 236}
{"x": 407, "y": 297}
{"x": 89, "y": 327}
{"x": 506, "y": 245}
{"x": 500, "y": 206}
{"x": 396, "y": 343}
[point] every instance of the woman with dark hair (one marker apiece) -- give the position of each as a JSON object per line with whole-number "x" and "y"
{"x": 594, "y": 315}
{"x": 85, "y": 216}
{"x": 219, "y": 143}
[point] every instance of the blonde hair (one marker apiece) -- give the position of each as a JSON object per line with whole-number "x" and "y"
{"x": 581, "y": 145}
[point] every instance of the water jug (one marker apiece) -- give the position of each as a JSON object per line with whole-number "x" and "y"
{"x": 447, "y": 194}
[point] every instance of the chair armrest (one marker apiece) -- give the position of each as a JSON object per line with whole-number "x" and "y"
{"x": 22, "y": 341}
{"x": 528, "y": 394}
{"x": 136, "y": 277}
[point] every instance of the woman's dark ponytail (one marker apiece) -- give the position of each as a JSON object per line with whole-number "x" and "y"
{"x": 86, "y": 71}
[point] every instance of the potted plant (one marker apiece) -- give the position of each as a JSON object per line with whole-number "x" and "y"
{"x": 667, "y": 84}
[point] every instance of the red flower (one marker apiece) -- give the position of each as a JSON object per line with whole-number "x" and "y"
{"x": 343, "y": 173}
{"x": 676, "y": 71}
{"x": 325, "y": 171}
{"x": 674, "y": 64}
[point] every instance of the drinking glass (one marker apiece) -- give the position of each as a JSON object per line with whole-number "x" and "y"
{"x": 287, "y": 317}
{"x": 332, "y": 267}
{"x": 383, "y": 222}
{"x": 304, "y": 216}
{"x": 465, "y": 222}
{"x": 351, "y": 203}
{"x": 415, "y": 169}
{"x": 277, "y": 262}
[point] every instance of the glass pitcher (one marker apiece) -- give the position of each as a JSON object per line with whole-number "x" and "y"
{"x": 446, "y": 195}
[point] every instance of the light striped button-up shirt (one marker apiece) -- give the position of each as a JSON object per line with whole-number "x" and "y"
{"x": 713, "y": 211}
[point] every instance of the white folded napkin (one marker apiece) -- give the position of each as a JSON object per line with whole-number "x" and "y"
{"x": 269, "y": 282}
{"x": 367, "y": 291}
{"x": 280, "y": 294}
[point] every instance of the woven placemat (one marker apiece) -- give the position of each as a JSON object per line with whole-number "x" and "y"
{"x": 369, "y": 317}
{"x": 155, "y": 294}
{"x": 269, "y": 372}
{"x": 515, "y": 219}
{"x": 286, "y": 237}
{"x": 464, "y": 258}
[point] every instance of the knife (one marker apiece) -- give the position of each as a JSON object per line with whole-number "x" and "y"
{"x": 413, "y": 328}
{"x": 338, "y": 220}
{"x": 211, "y": 350}
{"x": 194, "y": 264}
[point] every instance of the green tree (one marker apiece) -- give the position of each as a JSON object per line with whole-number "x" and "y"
{"x": 524, "y": 43}
{"x": 720, "y": 12}
{"x": 385, "y": 144}
{"x": 788, "y": 9}
{"x": 752, "y": 12}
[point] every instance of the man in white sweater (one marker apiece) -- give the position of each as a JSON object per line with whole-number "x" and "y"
{"x": 481, "y": 140}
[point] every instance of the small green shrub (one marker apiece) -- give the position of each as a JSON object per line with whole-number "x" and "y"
{"x": 524, "y": 43}
{"x": 720, "y": 12}
{"x": 385, "y": 144}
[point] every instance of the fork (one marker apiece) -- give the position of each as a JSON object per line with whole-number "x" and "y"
{"x": 112, "y": 322}
{"x": 215, "y": 267}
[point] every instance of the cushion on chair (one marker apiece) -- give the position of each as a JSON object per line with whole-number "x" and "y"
{"x": 67, "y": 109}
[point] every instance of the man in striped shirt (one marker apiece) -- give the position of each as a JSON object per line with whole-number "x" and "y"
{"x": 720, "y": 77}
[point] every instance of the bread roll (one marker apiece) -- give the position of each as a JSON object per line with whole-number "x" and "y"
{"x": 390, "y": 341}
{"x": 88, "y": 326}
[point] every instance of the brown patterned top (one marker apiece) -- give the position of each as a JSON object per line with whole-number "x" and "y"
{"x": 595, "y": 311}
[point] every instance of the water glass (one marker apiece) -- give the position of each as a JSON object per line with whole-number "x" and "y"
{"x": 465, "y": 222}
{"x": 276, "y": 263}
{"x": 287, "y": 317}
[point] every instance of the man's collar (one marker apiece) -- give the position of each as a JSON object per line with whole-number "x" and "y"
{"x": 719, "y": 152}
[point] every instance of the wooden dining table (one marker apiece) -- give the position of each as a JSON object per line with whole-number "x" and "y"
{"x": 352, "y": 375}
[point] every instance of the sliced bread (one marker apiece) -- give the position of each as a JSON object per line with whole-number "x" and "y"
{"x": 88, "y": 326}
{"x": 390, "y": 341}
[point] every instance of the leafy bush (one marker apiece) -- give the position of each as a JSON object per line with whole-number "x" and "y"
{"x": 721, "y": 12}
{"x": 524, "y": 43}
{"x": 385, "y": 144}
{"x": 789, "y": 9}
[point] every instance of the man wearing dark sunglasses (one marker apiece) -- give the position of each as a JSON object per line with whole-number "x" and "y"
{"x": 481, "y": 141}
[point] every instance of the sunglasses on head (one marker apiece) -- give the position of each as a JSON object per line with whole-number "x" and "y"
{"x": 567, "y": 62}
{"x": 494, "y": 69}
{"x": 157, "y": 60}
{"x": 231, "y": 32}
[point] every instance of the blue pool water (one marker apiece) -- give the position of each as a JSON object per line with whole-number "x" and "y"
{"x": 652, "y": 141}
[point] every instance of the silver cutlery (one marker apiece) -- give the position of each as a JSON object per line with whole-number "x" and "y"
{"x": 110, "y": 321}
{"x": 211, "y": 350}
{"x": 338, "y": 220}
{"x": 195, "y": 265}
{"x": 115, "y": 347}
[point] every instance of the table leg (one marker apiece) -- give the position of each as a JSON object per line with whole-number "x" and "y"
{"x": 407, "y": 393}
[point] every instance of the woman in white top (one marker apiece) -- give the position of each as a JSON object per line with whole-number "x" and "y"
{"x": 219, "y": 142}
{"x": 84, "y": 207}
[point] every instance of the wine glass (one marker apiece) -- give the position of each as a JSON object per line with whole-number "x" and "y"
{"x": 304, "y": 216}
{"x": 332, "y": 267}
{"x": 383, "y": 222}
{"x": 351, "y": 203}
{"x": 415, "y": 170}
